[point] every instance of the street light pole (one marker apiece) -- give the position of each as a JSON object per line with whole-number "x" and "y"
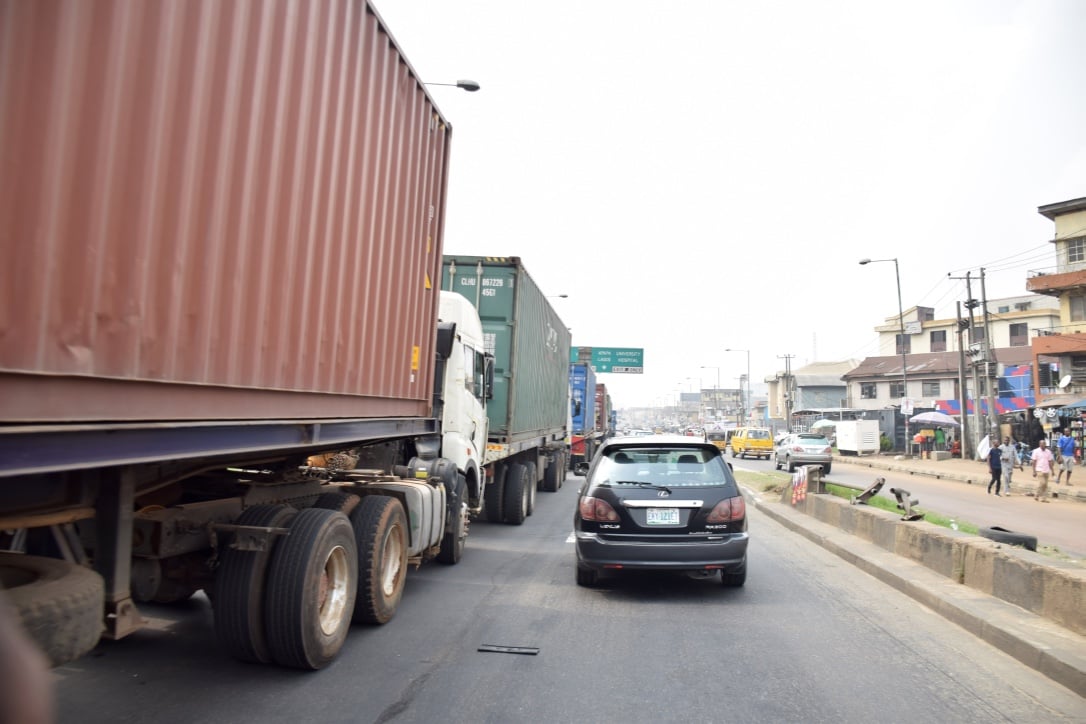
{"x": 469, "y": 85}
{"x": 746, "y": 403}
{"x": 901, "y": 326}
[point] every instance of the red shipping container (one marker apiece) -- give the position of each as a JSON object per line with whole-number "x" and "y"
{"x": 215, "y": 211}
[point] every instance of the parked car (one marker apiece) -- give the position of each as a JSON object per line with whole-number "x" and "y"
{"x": 664, "y": 502}
{"x": 803, "y": 448}
{"x": 752, "y": 442}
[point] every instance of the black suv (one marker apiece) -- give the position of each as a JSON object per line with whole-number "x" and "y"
{"x": 660, "y": 503}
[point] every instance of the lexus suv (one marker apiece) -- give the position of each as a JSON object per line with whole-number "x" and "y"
{"x": 660, "y": 503}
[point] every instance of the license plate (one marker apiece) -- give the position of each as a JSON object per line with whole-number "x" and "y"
{"x": 662, "y": 516}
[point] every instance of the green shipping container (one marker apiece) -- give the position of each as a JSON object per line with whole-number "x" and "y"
{"x": 529, "y": 341}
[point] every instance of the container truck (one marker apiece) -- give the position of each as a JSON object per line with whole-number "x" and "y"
{"x": 222, "y": 366}
{"x": 582, "y": 383}
{"x": 521, "y": 445}
{"x": 604, "y": 414}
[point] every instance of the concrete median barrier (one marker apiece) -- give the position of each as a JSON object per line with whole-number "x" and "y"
{"x": 1046, "y": 587}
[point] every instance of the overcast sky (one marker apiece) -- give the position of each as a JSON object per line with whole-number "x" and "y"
{"x": 705, "y": 175}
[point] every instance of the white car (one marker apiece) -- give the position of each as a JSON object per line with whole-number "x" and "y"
{"x": 803, "y": 448}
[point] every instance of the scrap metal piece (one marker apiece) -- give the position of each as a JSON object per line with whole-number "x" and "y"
{"x": 906, "y": 504}
{"x": 527, "y": 650}
{"x": 868, "y": 494}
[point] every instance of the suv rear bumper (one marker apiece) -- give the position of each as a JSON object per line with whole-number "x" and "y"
{"x": 728, "y": 552}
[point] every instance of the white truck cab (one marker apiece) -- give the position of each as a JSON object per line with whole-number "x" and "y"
{"x": 465, "y": 389}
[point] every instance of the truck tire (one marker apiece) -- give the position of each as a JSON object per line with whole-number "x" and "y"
{"x": 1002, "y": 535}
{"x": 380, "y": 530}
{"x": 456, "y": 525}
{"x": 60, "y": 604}
{"x": 238, "y": 603}
{"x": 554, "y": 474}
{"x": 343, "y": 502}
{"x": 532, "y": 482}
{"x": 494, "y": 495}
{"x": 311, "y": 586}
{"x": 516, "y": 494}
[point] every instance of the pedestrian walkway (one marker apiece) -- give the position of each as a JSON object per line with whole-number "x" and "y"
{"x": 967, "y": 471}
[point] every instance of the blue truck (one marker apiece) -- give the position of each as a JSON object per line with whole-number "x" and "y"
{"x": 582, "y": 384}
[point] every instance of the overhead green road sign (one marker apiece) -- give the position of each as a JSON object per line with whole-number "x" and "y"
{"x": 619, "y": 360}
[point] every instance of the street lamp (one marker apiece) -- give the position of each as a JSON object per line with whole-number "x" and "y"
{"x": 901, "y": 326}
{"x": 469, "y": 85}
{"x": 746, "y": 404}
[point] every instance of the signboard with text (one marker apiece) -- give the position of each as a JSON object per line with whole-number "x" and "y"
{"x": 619, "y": 360}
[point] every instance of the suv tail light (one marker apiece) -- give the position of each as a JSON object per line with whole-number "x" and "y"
{"x": 728, "y": 509}
{"x": 597, "y": 510}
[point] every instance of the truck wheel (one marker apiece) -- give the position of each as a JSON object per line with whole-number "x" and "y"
{"x": 516, "y": 494}
{"x": 343, "y": 502}
{"x": 312, "y": 582}
{"x": 60, "y": 604}
{"x": 456, "y": 527}
{"x": 380, "y": 529}
{"x": 494, "y": 495}
{"x": 531, "y": 473}
{"x": 239, "y": 589}
{"x": 554, "y": 474}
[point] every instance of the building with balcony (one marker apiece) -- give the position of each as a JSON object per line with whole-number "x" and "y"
{"x": 1062, "y": 349}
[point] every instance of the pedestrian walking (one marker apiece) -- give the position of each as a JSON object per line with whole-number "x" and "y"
{"x": 1008, "y": 458}
{"x": 1066, "y": 461}
{"x": 1042, "y": 461}
{"x": 995, "y": 467}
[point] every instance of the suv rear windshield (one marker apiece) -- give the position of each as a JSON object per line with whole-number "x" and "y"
{"x": 668, "y": 466}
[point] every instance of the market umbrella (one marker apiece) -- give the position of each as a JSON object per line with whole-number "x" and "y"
{"x": 823, "y": 423}
{"x": 936, "y": 419}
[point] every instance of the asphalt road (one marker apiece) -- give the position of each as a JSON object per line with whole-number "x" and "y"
{"x": 1060, "y": 524}
{"x": 808, "y": 639}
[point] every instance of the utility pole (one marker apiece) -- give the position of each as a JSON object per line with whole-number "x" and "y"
{"x": 968, "y": 451}
{"x": 971, "y": 304}
{"x": 990, "y": 371}
{"x": 788, "y": 389}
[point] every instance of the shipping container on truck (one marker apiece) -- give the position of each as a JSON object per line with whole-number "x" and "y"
{"x": 527, "y": 413}
{"x": 582, "y": 382}
{"x": 604, "y": 413}
{"x": 218, "y": 319}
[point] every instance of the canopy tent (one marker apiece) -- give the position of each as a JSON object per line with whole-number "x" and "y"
{"x": 823, "y": 423}
{"x": 935, "y": 419}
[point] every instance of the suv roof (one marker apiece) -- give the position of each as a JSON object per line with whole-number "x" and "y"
{"x": 657, "y": 440}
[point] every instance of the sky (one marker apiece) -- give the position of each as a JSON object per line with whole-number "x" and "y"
{"x": 699, "y": 176}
